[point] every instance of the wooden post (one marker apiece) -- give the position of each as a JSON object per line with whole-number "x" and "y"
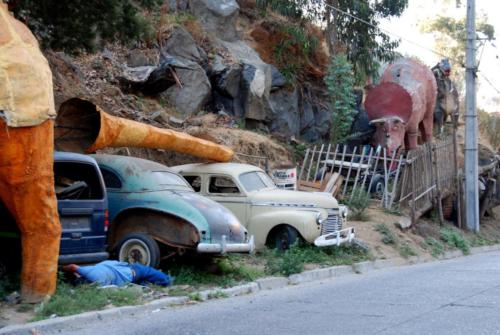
{"x": 395, "y": 186}
{"x": 317, "y": 164}
{"x": 413, "y": 193}
{"x": 437, "y": 182}
{"x": 303, "y": 164}
{"x": 349, "y": 172}
{"x": 368, "y": 169}
{"x": 373, "y": 170}
{"x": 310, "y": 164}
{"x": 357, "y": 173}
{"x": 324, "y": 163}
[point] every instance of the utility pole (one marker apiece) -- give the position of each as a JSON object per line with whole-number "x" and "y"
{"x": 471, "y": 128}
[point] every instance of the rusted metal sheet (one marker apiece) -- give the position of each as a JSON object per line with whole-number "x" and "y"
{"x": 84, "y": 126}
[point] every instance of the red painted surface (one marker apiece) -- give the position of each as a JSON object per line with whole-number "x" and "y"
{"x": 403, "y": 103}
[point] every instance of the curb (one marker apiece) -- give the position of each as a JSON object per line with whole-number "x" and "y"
{"x": 262, "y": 284}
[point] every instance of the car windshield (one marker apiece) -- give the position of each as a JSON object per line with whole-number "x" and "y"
{"x": 256, "y": 181}
{"x": 165, "y": 178}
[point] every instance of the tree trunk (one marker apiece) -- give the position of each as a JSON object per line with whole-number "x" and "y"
{"x": 331, "y": 26}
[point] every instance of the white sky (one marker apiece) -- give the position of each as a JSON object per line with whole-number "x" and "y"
{"x": 408, "y": 25}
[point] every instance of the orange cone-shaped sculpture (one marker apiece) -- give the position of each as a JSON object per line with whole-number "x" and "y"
{"x": 84, "y": 126}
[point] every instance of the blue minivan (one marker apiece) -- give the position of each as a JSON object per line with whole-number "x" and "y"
{"x": 83, "y": 211}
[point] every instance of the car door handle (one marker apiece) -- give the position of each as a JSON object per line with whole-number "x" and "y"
{"x": 76, "y": 236}
{"x": 77, "y": 211}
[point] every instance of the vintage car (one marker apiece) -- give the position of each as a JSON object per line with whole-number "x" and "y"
{"x": 275, "y": 217}
{"x": 154, "y": 213}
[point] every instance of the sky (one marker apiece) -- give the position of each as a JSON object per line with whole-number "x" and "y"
{"x": 408, "y": 25}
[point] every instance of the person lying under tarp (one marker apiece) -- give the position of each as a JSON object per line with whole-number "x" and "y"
{"x": 118, "y": 273}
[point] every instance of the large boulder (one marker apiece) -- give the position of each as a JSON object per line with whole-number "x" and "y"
{"x": 255, "y": 83}
{"x": 217, "y": 16}
{"x": 255, "y": 94}
{"x": 285, "y": 112}
{"x": 181, "y": 45}
{"x": 315, "y": 115}
{"x": 226, "y": 78}
{"x": 278, "y": 79}
{"x": 195, "y": 91}
{"x": 149, "y": 80}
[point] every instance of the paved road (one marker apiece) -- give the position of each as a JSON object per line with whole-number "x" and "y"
{"x": 460, "y": 296}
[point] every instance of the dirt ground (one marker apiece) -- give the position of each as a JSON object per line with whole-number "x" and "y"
{"x": 366, "y": 232}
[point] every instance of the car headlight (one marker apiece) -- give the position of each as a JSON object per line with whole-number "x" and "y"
{"x": 343, "y": 211}
{"x": 319, "y": 220}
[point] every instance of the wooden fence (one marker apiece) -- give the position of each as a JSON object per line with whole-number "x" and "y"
{"x": 429, "y": 177}
{"x": 355, "y": 168}
{"x": 417, "y": 180}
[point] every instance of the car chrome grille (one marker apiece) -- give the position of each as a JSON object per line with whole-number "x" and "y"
{"x": 332, "y": 224}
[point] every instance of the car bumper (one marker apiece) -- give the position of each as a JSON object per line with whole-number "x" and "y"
{"x": 225, "y": 247}
{"x": 337, "y": 238}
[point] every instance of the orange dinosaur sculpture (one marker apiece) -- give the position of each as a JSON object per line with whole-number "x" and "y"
{"x": 26, "y": 154}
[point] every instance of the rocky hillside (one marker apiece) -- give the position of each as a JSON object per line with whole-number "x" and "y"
{"x": 213, "y": 69}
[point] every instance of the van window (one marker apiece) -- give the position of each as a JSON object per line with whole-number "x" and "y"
{"x": 195, "y": 182}
{"x": 77, "y": 181}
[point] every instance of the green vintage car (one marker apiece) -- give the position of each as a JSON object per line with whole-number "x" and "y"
{"x": 154, "y": 213}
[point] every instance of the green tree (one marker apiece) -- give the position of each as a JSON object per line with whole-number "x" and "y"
{"x": 81, "y": 24}
{"x": 364, "y": 44}
{"x": 340, "y": 83}
{"x": 450, "y": 40}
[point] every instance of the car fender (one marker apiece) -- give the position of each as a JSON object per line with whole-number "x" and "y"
{"x": 147, "y": 226}
{"x": 304, "y": 221}
{"x": 163, "y": 202}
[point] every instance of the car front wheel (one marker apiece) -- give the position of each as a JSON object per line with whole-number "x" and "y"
{"x": 283, "y": 238}
{"x": 139, "y": 248}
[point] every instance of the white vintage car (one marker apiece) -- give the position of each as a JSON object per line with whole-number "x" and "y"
{"x": 275, "y": 217}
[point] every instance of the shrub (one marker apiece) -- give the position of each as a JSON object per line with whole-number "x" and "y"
{"x": 340, "y": 84}
{"x": 455, "y": 240}
{"x": 406, "y": 251}
{"x": 294, "y": 259}
{"x": 437, "y": 248}
{"x": 388, "y": 236}
{"x": 358, "y": 203}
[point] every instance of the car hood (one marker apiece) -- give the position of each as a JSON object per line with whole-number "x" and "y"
{"x": 220, "y": 220}
{"x": 278, "y": 197}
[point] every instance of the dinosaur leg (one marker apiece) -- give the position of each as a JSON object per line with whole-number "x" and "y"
{"x": 411, "y": 138}
{"x": 426, "y": 127}
{"x": 27, "y": 190}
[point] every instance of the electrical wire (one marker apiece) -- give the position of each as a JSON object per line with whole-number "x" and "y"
{"x": 415, "y": 43}
{"x": 388, "y": 32}
{"x": 489, "y": 82}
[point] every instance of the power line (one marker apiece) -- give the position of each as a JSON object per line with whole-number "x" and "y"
{"x": 388, "y": 32}
{"x": 489, "y": 82}
{"x": 413, "y": 42}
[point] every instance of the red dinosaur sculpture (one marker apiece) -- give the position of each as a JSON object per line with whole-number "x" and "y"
{"x": 402, "y": 105}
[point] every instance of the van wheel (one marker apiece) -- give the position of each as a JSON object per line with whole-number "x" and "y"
{"x": 283, "y": 237}
{"x": 139, "y": 248}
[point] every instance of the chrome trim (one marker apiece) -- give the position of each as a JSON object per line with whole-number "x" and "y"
{"x": 279, "y": 204}
{"x": 224, "y": 247}
{"x": 335, "y": 239}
